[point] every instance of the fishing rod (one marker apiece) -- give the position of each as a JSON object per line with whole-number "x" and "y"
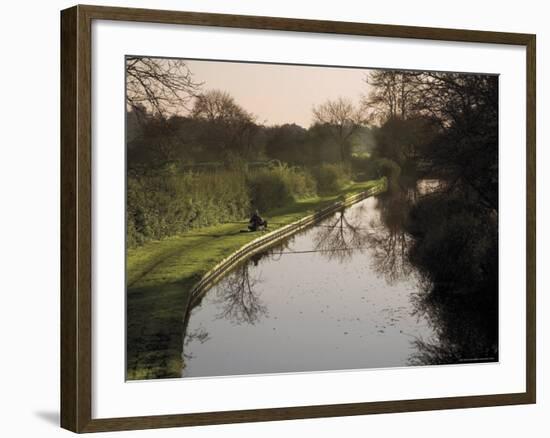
{"x": 322, "y": 250}
{"x": 314, "y": 225}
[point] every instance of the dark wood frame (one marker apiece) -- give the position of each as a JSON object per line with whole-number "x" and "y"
{"x": 76, "y": 317}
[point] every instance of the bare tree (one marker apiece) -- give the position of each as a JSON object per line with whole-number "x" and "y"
{"x": 391, "y": 94}
{"x": 466, "y": 109}
{"x": 217, "y": 105}
{"x": 230, "y": 124}
{"x": 162, "y": 86}
{"x": 342, "y": 118}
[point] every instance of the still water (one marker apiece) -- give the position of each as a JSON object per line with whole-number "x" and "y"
{"x": 336, "y": 296}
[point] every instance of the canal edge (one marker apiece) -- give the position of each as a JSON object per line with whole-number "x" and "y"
{"x": 269, "y": 239}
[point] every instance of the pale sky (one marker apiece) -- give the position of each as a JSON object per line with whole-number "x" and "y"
{"x": 279, "y": 94}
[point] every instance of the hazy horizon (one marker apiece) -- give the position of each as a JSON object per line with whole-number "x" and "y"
{"x": 280, "y": 93}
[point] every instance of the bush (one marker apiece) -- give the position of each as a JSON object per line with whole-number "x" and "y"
{"x": 390, "y": 169}
{"x": 166, "y": 203}
{"x": 268, "y": 190}
{"x": 276, "y": 187}
{"x": 364, "y": 167}
{"x": 331, "y": 177}
{"x": 301, "y": 182}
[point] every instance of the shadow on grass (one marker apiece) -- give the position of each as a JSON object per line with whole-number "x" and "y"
{"x": 235, "y": 233}
{"x": 155, "y": 328}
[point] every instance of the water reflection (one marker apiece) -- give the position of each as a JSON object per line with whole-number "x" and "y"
{"x": 361, "y": 289}
{"x": 466, "y": 331}
{"x": 338, "y": 237}
{"x": 198, "y": 334}
{"x": 384, "y": 235}
{"x": 389, "y": 241}
{"x": 237, "y": 300}
{"x": 454, "y": 249}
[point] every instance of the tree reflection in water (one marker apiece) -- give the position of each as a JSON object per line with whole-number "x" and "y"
{"x": 338, "y": 238}
{"x": 448, "y": 245}
{"x": 385, "y": 237}
{"x": 451, "y": 245}
{"x": 238, "y": 301}
{"x": 198, "y": 335}
{"x": 237, "y": 298}
{"x": 465, "y": 326}
{"x": 388, "y": 240}
{"x": 454, "y": 248}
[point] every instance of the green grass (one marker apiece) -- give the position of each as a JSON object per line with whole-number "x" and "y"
{"x": 160, "y": 275}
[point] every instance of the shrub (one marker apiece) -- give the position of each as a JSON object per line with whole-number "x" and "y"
{"x": 331, "y": 177}
{"x": 364, "y": 167}
{"x": 301, "y": 182}
{"x": 278, "y": 186}
{"x": 390, "y": 169}
{"x": 164, "y": 204}
{"x": 268, "y": 190}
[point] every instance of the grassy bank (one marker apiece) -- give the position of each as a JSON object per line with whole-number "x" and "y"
{"x": 168, "y": 201}
{"x": 161, "y": 273}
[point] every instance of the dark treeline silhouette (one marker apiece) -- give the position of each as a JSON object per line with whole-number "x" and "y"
{"x": 414, "y": 122}
{"x": 452, "y": 249}
{"x": 221, "y": 137}
{"x": 173, "y": 117}
{"x": 439, "y": 124}
{"x": 444, "y": 126}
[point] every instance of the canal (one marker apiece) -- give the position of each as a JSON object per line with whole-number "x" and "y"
{"x": 339, "y": 295}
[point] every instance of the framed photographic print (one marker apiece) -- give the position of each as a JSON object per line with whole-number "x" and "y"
{"x": 270, "y": 218}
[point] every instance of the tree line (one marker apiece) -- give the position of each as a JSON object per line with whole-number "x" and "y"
{"x": 437, "y": 122}
{"x": 408, "y": 125}
{"x": 217, "y": 128}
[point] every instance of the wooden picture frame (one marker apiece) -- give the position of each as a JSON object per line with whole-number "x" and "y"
{"x": 76, "y": 218}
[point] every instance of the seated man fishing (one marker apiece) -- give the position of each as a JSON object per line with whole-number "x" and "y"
{"x": 256, "y": 222}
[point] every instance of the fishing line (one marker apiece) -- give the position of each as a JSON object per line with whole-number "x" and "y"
{"x": 322, "y": 250}
{"x": 310, "y": 226}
